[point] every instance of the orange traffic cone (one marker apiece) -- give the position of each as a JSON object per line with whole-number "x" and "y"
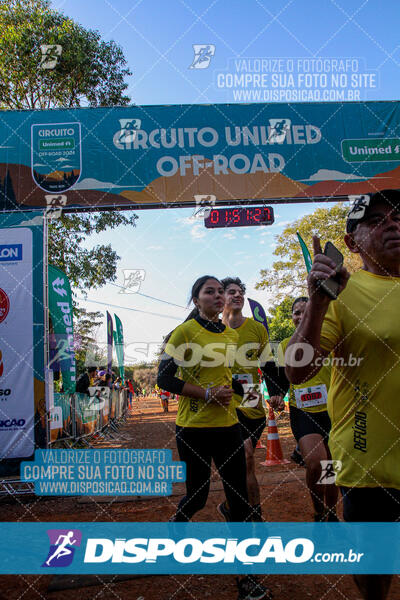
{"x": 259, "y": 445}
{"x": 274, "y": 449}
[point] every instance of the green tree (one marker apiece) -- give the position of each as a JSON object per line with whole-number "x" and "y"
{"x": 288, "y": 275}
{"x": 87, "y": 351}
{"x": 280, "y": 323}
{"x": 88, "y": 70}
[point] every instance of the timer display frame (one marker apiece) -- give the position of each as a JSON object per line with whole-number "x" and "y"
{"x": 242, "y": 216}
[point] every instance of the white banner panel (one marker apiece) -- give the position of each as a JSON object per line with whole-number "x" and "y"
{"x": 16, "y": 343}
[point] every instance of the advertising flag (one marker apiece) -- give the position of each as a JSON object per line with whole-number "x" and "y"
{"x": 306, "y": 252}
{"x": 258, "y": 313}
{"x": 109, "y": 342}
{"x": 60, "y": 307}
{"x": 119, "y": 346}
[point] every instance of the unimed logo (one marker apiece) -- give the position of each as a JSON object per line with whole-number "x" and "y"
{"x": 192, "y": 550}
{"x": 10, "y": 252}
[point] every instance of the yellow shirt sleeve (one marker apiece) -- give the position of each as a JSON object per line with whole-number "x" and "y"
{"x": 331, "y": 331}
{"x": 177, "y": 344}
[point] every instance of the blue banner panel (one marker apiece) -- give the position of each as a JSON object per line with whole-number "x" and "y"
{"x": 165, "y": 156}
{"x": 201, "y": 548}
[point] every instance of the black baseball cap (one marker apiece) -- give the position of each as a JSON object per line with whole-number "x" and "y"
{"x": 363, "y": 203}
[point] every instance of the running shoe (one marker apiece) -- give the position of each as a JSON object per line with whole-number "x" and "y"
{"x": 320, "y": 517}
{"x": 224, "y": 511}
{"x": 250, "y": 588}
{"x": 256, "y": 514}
{"x": 331, "y": 516}
{"x": 297, "y": 458}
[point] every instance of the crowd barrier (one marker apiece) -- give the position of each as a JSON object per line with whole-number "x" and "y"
{"x": 79, "y": 417}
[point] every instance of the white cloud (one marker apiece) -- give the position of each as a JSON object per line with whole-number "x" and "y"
{"x": 246, "y": 236}
{"x": 331, "y": 175}
{"x": 229, "y": 235}
{"x": 186, "y": 220}
{"x": 197, "y": 232}
{"x": 61, "y": 159}
{"x": 154, "y": 248}
{"x": 39, "y": 165}
{"x": 35, "y": 221}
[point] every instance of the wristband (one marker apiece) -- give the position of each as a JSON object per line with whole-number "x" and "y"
{"x": 207, "y": 393}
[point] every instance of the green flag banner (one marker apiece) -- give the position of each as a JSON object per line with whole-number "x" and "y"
{"x": 119, "y": 346}
{"x": 306, "y": 252}
{"x": 60, "y": 307}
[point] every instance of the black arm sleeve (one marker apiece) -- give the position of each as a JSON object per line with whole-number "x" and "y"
{"x": 166, "y": 379}
{"x": 237, "y": 388}
{"x": 275, "y": 379}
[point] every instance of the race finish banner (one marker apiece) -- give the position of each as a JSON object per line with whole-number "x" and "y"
{"x": 164, "y": 156}
{"x": 22, "y": 409}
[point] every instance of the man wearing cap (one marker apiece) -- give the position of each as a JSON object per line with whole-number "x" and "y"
{"x": 362, "y": 330}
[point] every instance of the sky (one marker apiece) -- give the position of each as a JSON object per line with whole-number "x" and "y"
{"x": 157, "y": 39}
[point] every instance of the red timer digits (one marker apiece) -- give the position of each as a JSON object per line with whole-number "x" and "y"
{"x": 245, "y": 216}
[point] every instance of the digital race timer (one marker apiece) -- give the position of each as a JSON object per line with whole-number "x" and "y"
{"x": 244, "y": 216}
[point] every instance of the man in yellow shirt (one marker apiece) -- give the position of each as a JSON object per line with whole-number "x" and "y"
{"x": 252, "y": 350}
{"x": 362, "y": 330}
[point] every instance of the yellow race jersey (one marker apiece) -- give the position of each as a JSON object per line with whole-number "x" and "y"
{"x": 362, "y": 329}
{"x": 311, "y": 395}
{"x": 205, "y": 358}
{"x": 252, "y": 344}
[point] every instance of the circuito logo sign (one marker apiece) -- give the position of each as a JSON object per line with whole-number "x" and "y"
{"x": 4, "y": 305}
{"x": 62, "y": 547}
{"x": 56, "y": 156}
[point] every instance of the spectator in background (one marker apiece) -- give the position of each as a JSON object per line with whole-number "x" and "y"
{"x": 86, "y": 380}
{"x": 131, "y": 392}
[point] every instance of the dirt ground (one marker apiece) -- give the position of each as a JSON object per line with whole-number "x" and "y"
{"x": 284, "y": 498}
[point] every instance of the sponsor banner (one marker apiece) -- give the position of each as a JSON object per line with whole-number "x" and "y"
{"x": 17, "y": 344}
{"x": 22, "y": 406}
{"x": 201, "y": 548}
{"x": 297, "y": 151}
{"x": 63, "y": 402}
{"x": 60, "y": 307}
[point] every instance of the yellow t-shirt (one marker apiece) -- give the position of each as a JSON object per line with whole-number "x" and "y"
{"x": 205, "y": 358}
{"x": 252, "y": 344}
{"x": 322, "y": 378}
{"x": 362, "y": 330}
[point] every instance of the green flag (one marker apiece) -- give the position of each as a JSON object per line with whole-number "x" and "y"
{"x": 119, "y": 346}
{"x": 60, "y": 307}
{"x": 306, "y": 253}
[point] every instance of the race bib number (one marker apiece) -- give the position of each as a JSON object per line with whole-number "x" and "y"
{"x": 311, "y": 396}
{"x": 243, "y": 378}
